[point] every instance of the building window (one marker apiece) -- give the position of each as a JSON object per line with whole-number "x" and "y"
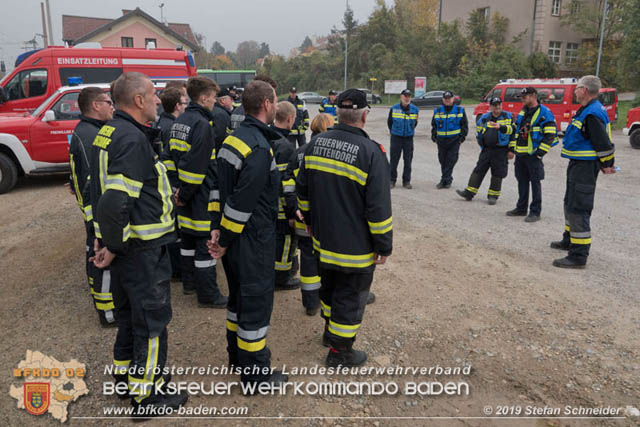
{"x": 575, "y": 7}
{"x": 127, "y": 41}
{"x": 485, "y": 11}
{"x": 555, "y": 8}
{"x": 554, "y": 51}
{"x": 572, "y": 53}
{"x": 150, "y": 43}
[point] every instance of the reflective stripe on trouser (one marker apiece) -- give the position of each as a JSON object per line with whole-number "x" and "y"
{"x": 578, "y": 204}
{"x": 309, "y": 275}
{"x": 251, "y": 285}
{"x": 343, "y": 298}
{"x": 494, "y": 159}
{"x": 142, "y": 301}
{"x": 99, "y": 283}
{"x": 201, "y": 268}
{"x": 285, "y": 250}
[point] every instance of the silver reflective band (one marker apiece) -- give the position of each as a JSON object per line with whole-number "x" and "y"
{"x": 310, "y": 286}
{"x": 230, "y": 157}
{"x": 188, "y": 252}
{"x": 204, "y": 264}
{"x": 235, "y": 215}
{"x": 605, "y": 153}
{"x": 214, "y": 195}
{"x": 88, "y": 248}
{"x": 332, "y": 326}
{"x": 337, "y": 168}
{"x": 160, "y": 229}
{"x": 232, "y": 316}
{"x": 344, "y": 260}
{"x": 252, "y": 335}
{"x": 380, "y": 227}
{"x": 289, "y": 188}
{"x": 273, "y": 164}
{"x": 580, "y": 234}
{"x": 118, "y": 181}
{"x": 301, "y": 232}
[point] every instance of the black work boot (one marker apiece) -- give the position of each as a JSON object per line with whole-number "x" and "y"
{"x": 371, "y": 298}
{"x": 291, "y": 283}
{"x": 568, "y": 262}
{"x": 346, "y": 357}
{"x": 467, "y": 195}
{"x": 220, "y": 302}
{"x": 516, "y": 212}
{"x": 492, "y": 200}
{"x": 560, "y": 245}
{"x": 156, "y": 405}
{"x": 106, "y": 323}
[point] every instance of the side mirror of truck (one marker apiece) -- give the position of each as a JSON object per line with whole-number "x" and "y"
{"x": 49, "y": 116}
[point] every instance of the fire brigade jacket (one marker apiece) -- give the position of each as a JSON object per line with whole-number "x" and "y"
{"x": 249, "y": 184}
{"x": 79, "y": 154}
{"x": 291, "y": 200}
{"x": 504, "y": 134}
{"x": 301, "y": 124}
{"x": 589, "y": 139}
{"x": 449, "y": 123}
{"x": 537, "y": 135}
{"x": 192, "y": 151}
{"x": 130, "y": 190}
{"x": 328, "y": 107}
{"x": 164, "y": 124}
{"x": 221, "y": 122}
{"x": 283, "y": 149}
{"x": 344, "y": 195}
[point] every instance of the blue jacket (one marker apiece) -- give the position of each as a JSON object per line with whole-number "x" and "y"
{"x": 541, "y": 135}
{"x": 506, "y": 131}
{"x": 452, "y": 125}
{"x": 329, "y": 108}
{"x": 401, "y": 122}
{"x": 575, "y": 144}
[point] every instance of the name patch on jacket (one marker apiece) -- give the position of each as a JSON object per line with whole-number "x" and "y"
{"x": 180, "y": 131}
{"x": 336, "y": 149}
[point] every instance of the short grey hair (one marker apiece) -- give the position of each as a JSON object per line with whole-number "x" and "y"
{"x": 350, "y": 116}
{"x": 128, "y": 86}
{"x": 284, "y": 110}
{"x": 591, "y": 83}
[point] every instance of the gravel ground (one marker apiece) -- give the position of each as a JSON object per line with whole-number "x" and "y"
{"x": 466, "y": 286}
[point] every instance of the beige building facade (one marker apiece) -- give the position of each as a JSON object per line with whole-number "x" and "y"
{"x": 537, "y": 23}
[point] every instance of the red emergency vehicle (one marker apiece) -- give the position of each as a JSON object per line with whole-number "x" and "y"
{"x": 556, "y": 94}
{"x": 633, "y": 127}
{"x": 39, "y": 73}
{"x": 37, "y": 143}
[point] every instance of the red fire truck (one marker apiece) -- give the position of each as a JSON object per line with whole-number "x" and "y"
{"x": 557, "y": 94}
{"x": 633, "y": 127}
{"x": 39, "y": 73}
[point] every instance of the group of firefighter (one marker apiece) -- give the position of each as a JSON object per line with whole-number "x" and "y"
{"x": 219, "y": 177}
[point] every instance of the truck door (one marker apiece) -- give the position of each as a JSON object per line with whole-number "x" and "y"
{"x": 26, "y": 91}
{"x": 49, "y": 141}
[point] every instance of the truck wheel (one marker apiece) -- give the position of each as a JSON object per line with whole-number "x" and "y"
{"x": 634, "y": 139}
{"x": 8, "y": 174}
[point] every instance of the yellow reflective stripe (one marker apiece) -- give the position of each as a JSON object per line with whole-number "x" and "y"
{"x": 101, "y": 295}
{"x": 567, "y": 228}
{"x": 586, "y": 153}
{"x": 309, "y": 279}
{"x": 343, "y": 260}
{"x": 576, "y": 123}
{"x": 544, "y": 147}
{"x": 381, "y": 227}
{"x": 164, "y": 190}
{"x": 231, "y": 225}
{"x": 303, "y": 205}
{"x": 609, "y": 157}
{"x": 170, "y": 165}
{"x": 105, "y": 305}
{"x": 126, "y": 233}
{"x": 238, "y": 144}
{"x": 122, "y": 183}
{"x": 346, "y": 331}
{"x": 213, "y": 154}
{"x": 473, "y": 190}
{"x": 326, "y": 309}
{"x": 252, "y": 346}
{"x": 103, "y": 162}
{"x": 581, "y": 241}
{"x": 213, "y": 207}
{"x": 121, "y": 362}
{"x": 549, "y": 129}
{"x": 195, "y": 225}
{"x": 493, "y": 192}
{"x": 289, "y": 182}
{"x": 179, "y": 145}
{"x": 72, "y": 164}
{"x": 451, "y": 132}
{"x": 337, "y": 168}
{"x": 233, "y": 327}
{"x": 190, "y": 177}
{"x": 96, "y": 229}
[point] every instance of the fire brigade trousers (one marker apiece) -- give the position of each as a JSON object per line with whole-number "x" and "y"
{"x": 248, "y": 265}
{"x": 142, "y": 300}
{"x": 448, "y": 151}
{"x": 286, "y": 245}
{"x": 343, "y": 298}
{"x": 529, "y": 170}
{"x": 578, "y": 204}
{"x": 301, "y": 139}
{"x": 309, "y": 275}
{"x": 198, "y": 268}
{"x": 99, "y": 281}
{"x": 494, "y": 159}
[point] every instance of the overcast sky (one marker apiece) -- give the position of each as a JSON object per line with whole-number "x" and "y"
{"x": 282, "y": 24}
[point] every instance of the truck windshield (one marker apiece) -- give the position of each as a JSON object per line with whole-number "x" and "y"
{"x": 42, "y": 106}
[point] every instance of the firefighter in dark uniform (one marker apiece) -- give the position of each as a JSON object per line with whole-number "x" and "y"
{"x": 536, "y": 133}
{"x": 283, "y": 150}
{"x": 131, "y": 198}
{"x": 402, "y": 122}
{"x": 449, "y": 128}
{"x": 96, "y": 108}
{"x": 236, "y": 96}
{"x": 298, "y": 132}
{"x": 174, "y": 102}
{"x": 588, "y": 146}
{"x": 328, "y": 105}
{"x": 344, "y": 197}
{"x": 237, "y": 114}
{"x": 246, "y": 240}
{"x": 197, "y": 198}
{"x": 494, "y": 131}
{"x": 222, "y": 116}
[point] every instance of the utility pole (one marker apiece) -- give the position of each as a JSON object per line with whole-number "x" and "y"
{"x": 45, "y": 39}
{"x": 346, "y": 49}
{"x": 50, "y": 38}
{"x": 604, "y": 18}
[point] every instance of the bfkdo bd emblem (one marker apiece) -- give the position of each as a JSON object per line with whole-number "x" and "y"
{"x": 36, "y": 398}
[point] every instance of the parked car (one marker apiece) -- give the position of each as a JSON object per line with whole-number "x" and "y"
{"x": 311, "y": 97}
{"x": 633, "y": 127}
{"x": 372, "y": 98}
{"x": 432, "y": 99}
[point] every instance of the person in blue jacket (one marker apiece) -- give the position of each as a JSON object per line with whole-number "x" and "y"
{"x": 449, "y": 128}
{"x": 402, "y": 122}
